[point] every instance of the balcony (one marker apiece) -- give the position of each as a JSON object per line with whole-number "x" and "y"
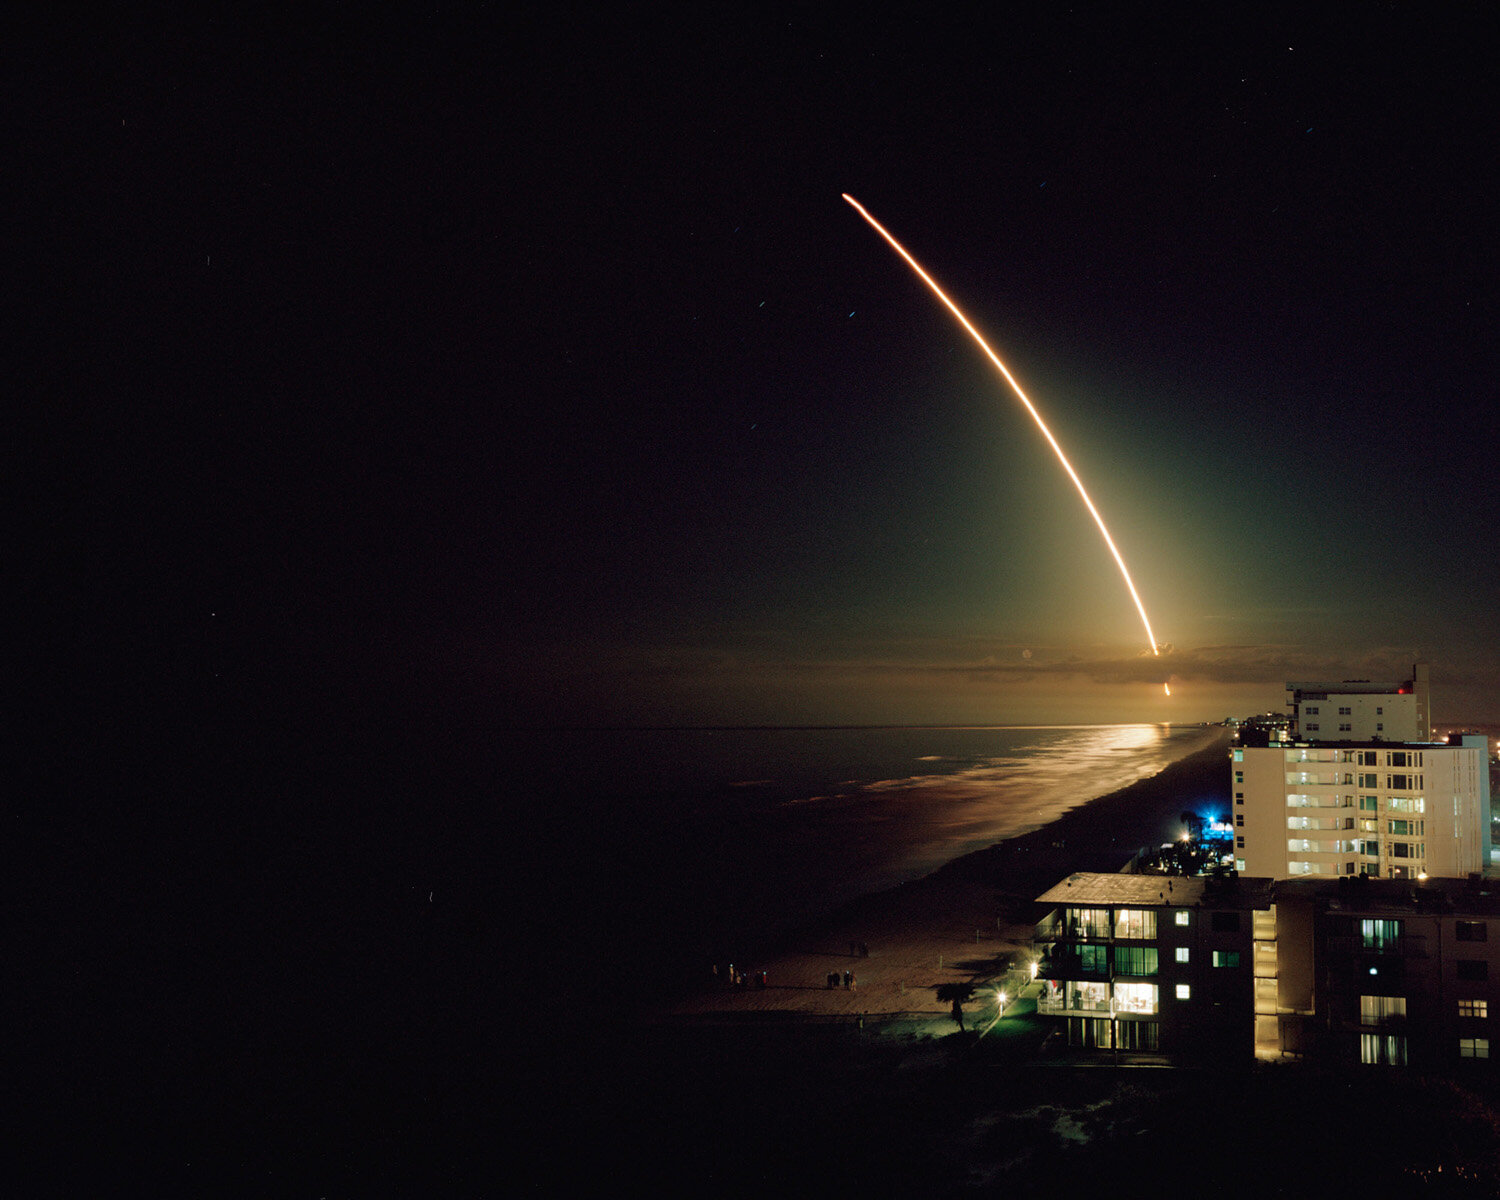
{"x": 1063, "y": 962}
{"x": 1063, "y": 1003}
{"x": 1054, "y": 928}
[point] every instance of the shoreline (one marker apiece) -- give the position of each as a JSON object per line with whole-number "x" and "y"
{"x": 968, "y": 920}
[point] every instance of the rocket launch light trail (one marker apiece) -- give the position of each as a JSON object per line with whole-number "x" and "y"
{"x": 1035, "y": 416}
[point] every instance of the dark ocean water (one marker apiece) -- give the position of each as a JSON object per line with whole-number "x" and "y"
{"x": 693, "y": 844}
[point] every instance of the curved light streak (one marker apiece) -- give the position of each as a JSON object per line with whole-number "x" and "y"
{"x": 1035, "y": 416}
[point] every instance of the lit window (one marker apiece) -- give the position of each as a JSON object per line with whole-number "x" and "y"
{"x": 1135, "y": 960}
{"x": 1380, "y": 934}
{"x": 1182, "y": 956}
{"x": 1182, "y": 916}
{"x": 1135, "y": 923}
{"x": 1375, "y": 1009}
{"x": 1226, "y": 958}
{"x": 1473, "y": 1047}
{"x": 1384, "y": 1048}
{"x": 1473, "y": 1008}
{"x": 1184, "y": 992}
{"x": 1137, "y": 998}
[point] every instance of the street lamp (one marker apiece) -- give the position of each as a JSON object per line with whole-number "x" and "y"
{"x": 1000, "y": 997}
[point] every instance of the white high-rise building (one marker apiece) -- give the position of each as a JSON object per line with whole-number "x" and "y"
{"x": 1361, "y": 790}
{"x": 1359, "y": 710}
{"x": 1389, "y": 810}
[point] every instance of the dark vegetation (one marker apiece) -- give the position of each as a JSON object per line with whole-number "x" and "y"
{"x": 801, "y": 1110}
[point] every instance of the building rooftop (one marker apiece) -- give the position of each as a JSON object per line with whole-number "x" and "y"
{"x": 1180, "y": 891}
{"x": 1352, "y": 687}
{"x": 1360, "y": 744}
{"x": 1476, "y": 897}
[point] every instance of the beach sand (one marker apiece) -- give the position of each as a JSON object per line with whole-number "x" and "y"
{"x": 969, "y": 922}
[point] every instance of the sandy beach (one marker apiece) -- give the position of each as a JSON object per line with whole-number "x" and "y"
{"x": 969, "y": 922}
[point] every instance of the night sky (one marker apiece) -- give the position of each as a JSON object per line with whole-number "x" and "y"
{"x": 531, "y": 370}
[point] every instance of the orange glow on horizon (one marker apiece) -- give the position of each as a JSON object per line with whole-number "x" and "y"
{"x": 1035, "y": 416}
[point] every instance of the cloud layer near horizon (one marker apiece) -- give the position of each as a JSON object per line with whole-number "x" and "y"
{"x": 918, "y": 679}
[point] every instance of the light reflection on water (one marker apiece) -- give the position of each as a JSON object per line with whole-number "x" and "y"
{"x": 974, "y": 800}
{"x": 687, "y": 837}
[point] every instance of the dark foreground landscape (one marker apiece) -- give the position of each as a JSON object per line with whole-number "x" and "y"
{"x": 248, "y": 1006}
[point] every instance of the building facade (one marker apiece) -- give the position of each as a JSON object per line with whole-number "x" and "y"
{"x": 1154, "y": 966}
{"x": 1383, "y": 972}
{"x": 1389, "y": 973}
{"x": 1391, "y": 810}
{"x": 1358, "y": 710}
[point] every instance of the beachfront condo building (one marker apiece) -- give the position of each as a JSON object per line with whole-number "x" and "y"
{"x": 1387, "y": 809}
{"x": 1152, "y": 965}
{"x": 1359, "y": 710}
{"x": 1387, "y": 972}
{"x": 1384, "y": 972}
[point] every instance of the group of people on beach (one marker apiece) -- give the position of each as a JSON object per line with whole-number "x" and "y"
{"x": 740, "y": 979}
{"x": 848, "y": 980}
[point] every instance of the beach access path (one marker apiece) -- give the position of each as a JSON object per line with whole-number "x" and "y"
{"x": 970, "y": 922}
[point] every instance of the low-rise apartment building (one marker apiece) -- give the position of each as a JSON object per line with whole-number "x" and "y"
{"x": 1377, "y": 971}
{"x": 1153, "y": 965}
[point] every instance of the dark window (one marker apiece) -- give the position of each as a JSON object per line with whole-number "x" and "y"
{"x": 1226, "y": 922}
{"x": 1473, "y": 968}
{"x": 1239, "y": 818}
{"x": 1470, "y": 931}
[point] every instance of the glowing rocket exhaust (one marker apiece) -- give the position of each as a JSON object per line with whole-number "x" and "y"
{"x": 1035, "y": 416}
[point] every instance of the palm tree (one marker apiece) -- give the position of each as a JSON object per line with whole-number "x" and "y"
{"x": 958, "y": 993}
